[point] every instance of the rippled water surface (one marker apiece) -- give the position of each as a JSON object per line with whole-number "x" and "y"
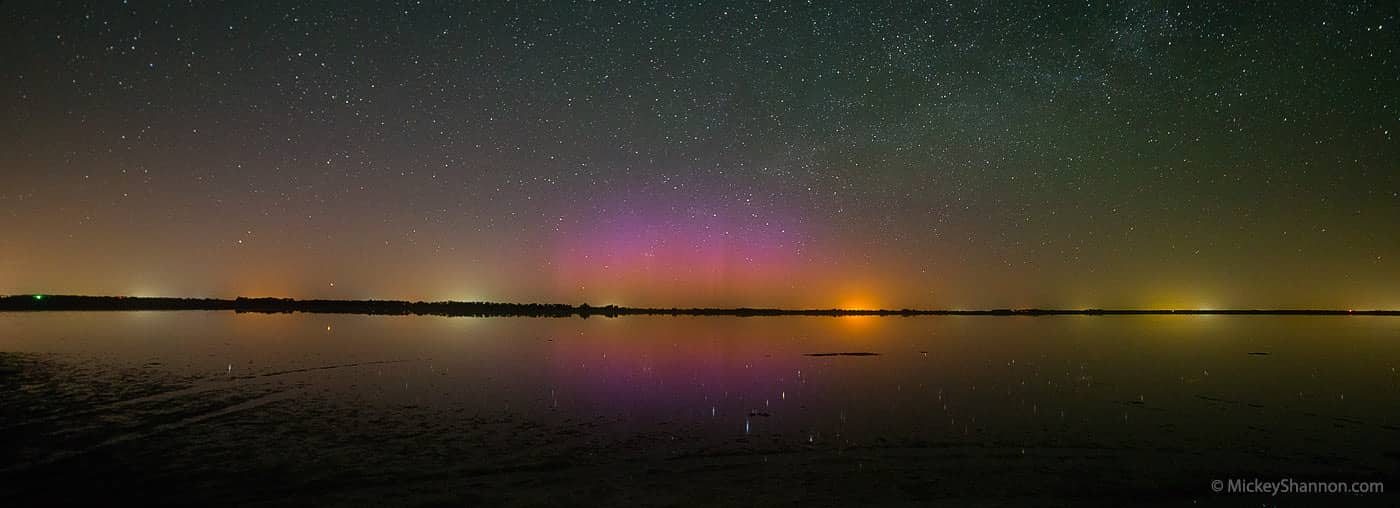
{"x": 295, "y": 409}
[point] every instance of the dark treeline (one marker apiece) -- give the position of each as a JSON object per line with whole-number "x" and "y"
{"x": 70, "y": 302}
{"x": 394, "y": 307}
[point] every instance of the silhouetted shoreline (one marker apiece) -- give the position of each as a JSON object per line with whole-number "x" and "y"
{"x": 482, "y": 309}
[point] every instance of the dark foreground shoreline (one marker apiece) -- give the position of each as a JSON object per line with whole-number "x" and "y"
{"x": 450, "y": 308}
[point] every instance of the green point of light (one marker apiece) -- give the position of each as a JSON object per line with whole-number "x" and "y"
{"x": 38, "y": 297}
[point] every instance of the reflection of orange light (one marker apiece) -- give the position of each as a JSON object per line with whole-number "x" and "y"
{"x": 858, "y": 323}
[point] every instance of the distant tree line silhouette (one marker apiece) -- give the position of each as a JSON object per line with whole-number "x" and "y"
{"x": 491, "y": 309}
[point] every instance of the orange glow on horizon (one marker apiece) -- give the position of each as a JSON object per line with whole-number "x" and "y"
{"x": 859, "y": 301}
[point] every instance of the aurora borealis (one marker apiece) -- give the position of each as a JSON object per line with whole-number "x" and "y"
{"x": 856, "y": 154}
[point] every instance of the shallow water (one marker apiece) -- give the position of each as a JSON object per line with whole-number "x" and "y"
{"x": 291, "y": 409}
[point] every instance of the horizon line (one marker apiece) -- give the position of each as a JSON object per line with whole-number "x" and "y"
{"x": 36, "y": 301}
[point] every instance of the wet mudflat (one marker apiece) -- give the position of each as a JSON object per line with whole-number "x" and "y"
{"x": 219, "y": 408}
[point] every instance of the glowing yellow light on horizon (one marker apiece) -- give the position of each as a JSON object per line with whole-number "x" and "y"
{"x": 1183, "y": 300}
{"x": 858, "y": 303}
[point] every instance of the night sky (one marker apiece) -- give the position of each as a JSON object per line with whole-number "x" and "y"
{"x": 794, "y": 154}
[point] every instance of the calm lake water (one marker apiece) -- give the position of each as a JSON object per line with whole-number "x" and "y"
{"x": 295, "y": 409}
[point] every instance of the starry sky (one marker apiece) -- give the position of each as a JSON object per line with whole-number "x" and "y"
{"x": 763, "y": 153}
